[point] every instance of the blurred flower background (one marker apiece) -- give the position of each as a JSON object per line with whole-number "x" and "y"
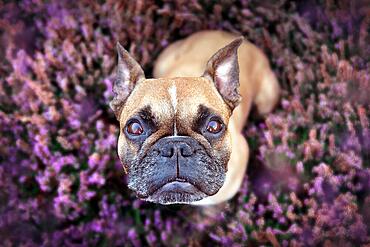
{"x": 61, "y": 183}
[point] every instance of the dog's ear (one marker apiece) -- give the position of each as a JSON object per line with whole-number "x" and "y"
{"x": 129, "y": 73}
{"x": 223, "y": 69}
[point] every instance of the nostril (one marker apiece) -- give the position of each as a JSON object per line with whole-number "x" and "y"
{"x": 167, "y": 151}
{"x": 186, "y": 150}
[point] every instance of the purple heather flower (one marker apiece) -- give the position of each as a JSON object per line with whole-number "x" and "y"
{"x": 58, "y": 167}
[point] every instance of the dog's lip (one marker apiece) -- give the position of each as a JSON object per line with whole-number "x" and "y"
{"x": 155, "y": 189}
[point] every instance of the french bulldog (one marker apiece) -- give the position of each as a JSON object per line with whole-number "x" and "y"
{"x": 181, "y": 135}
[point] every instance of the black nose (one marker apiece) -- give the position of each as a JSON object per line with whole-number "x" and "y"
{"x": 174, "y": 146}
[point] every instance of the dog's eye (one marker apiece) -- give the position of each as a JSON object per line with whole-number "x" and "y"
{"x": 134, "y": 128}
{"x": 214, "y": 126}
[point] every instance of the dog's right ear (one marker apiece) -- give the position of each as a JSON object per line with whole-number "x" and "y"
{"x": 129, "y": 73}
{"x": 223, "y": 69}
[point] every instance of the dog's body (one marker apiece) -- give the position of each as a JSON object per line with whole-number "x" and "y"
{"x": 203, "y": 166}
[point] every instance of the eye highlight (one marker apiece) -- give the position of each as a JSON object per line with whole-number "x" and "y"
{"x": 134, "y": 128}
{"x": 214, "y": 126}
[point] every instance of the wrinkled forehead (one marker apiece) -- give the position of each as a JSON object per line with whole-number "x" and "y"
{"x": 176, "y": 96}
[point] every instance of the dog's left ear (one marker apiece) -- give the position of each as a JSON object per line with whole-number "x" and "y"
{"x": 223, "y": 69}
{"x": 129, "y": 73}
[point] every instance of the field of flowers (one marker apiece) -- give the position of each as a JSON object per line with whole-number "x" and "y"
{"x": 61, "y": 183}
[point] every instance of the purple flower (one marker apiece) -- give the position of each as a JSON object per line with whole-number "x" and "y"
{"x": 62, "y": 184}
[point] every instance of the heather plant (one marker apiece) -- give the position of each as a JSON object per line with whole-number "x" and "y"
{"x": 61, "y": 183}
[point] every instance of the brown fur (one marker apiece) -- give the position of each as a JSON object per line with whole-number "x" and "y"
{"x": 180, "y": 67}
{"x": 258, "y": 85}
{"x": 191, "y": 92}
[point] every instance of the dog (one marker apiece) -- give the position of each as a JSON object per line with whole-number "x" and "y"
{"x": 181, "y": 135}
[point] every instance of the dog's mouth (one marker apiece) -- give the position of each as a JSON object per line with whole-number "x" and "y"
{"x": 177, "y": 169}
{"x": 178, "y": 190}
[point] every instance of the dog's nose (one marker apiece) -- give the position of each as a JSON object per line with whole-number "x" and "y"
{"x": 173, "y": 147}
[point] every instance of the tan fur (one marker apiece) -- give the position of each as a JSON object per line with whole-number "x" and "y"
{"x": 191, "y": 92}
{"x": 188, "y": 58}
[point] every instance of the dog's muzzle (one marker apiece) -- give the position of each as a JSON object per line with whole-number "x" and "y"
{"x": 176, "y": 169}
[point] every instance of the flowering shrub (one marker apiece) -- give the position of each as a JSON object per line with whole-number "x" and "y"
{"x": 61, "y": 182}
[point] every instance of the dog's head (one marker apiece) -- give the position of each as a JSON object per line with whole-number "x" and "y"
{"x": 174, "y": 141}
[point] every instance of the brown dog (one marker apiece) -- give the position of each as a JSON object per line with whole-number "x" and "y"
{"x": 180, "y": 135}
